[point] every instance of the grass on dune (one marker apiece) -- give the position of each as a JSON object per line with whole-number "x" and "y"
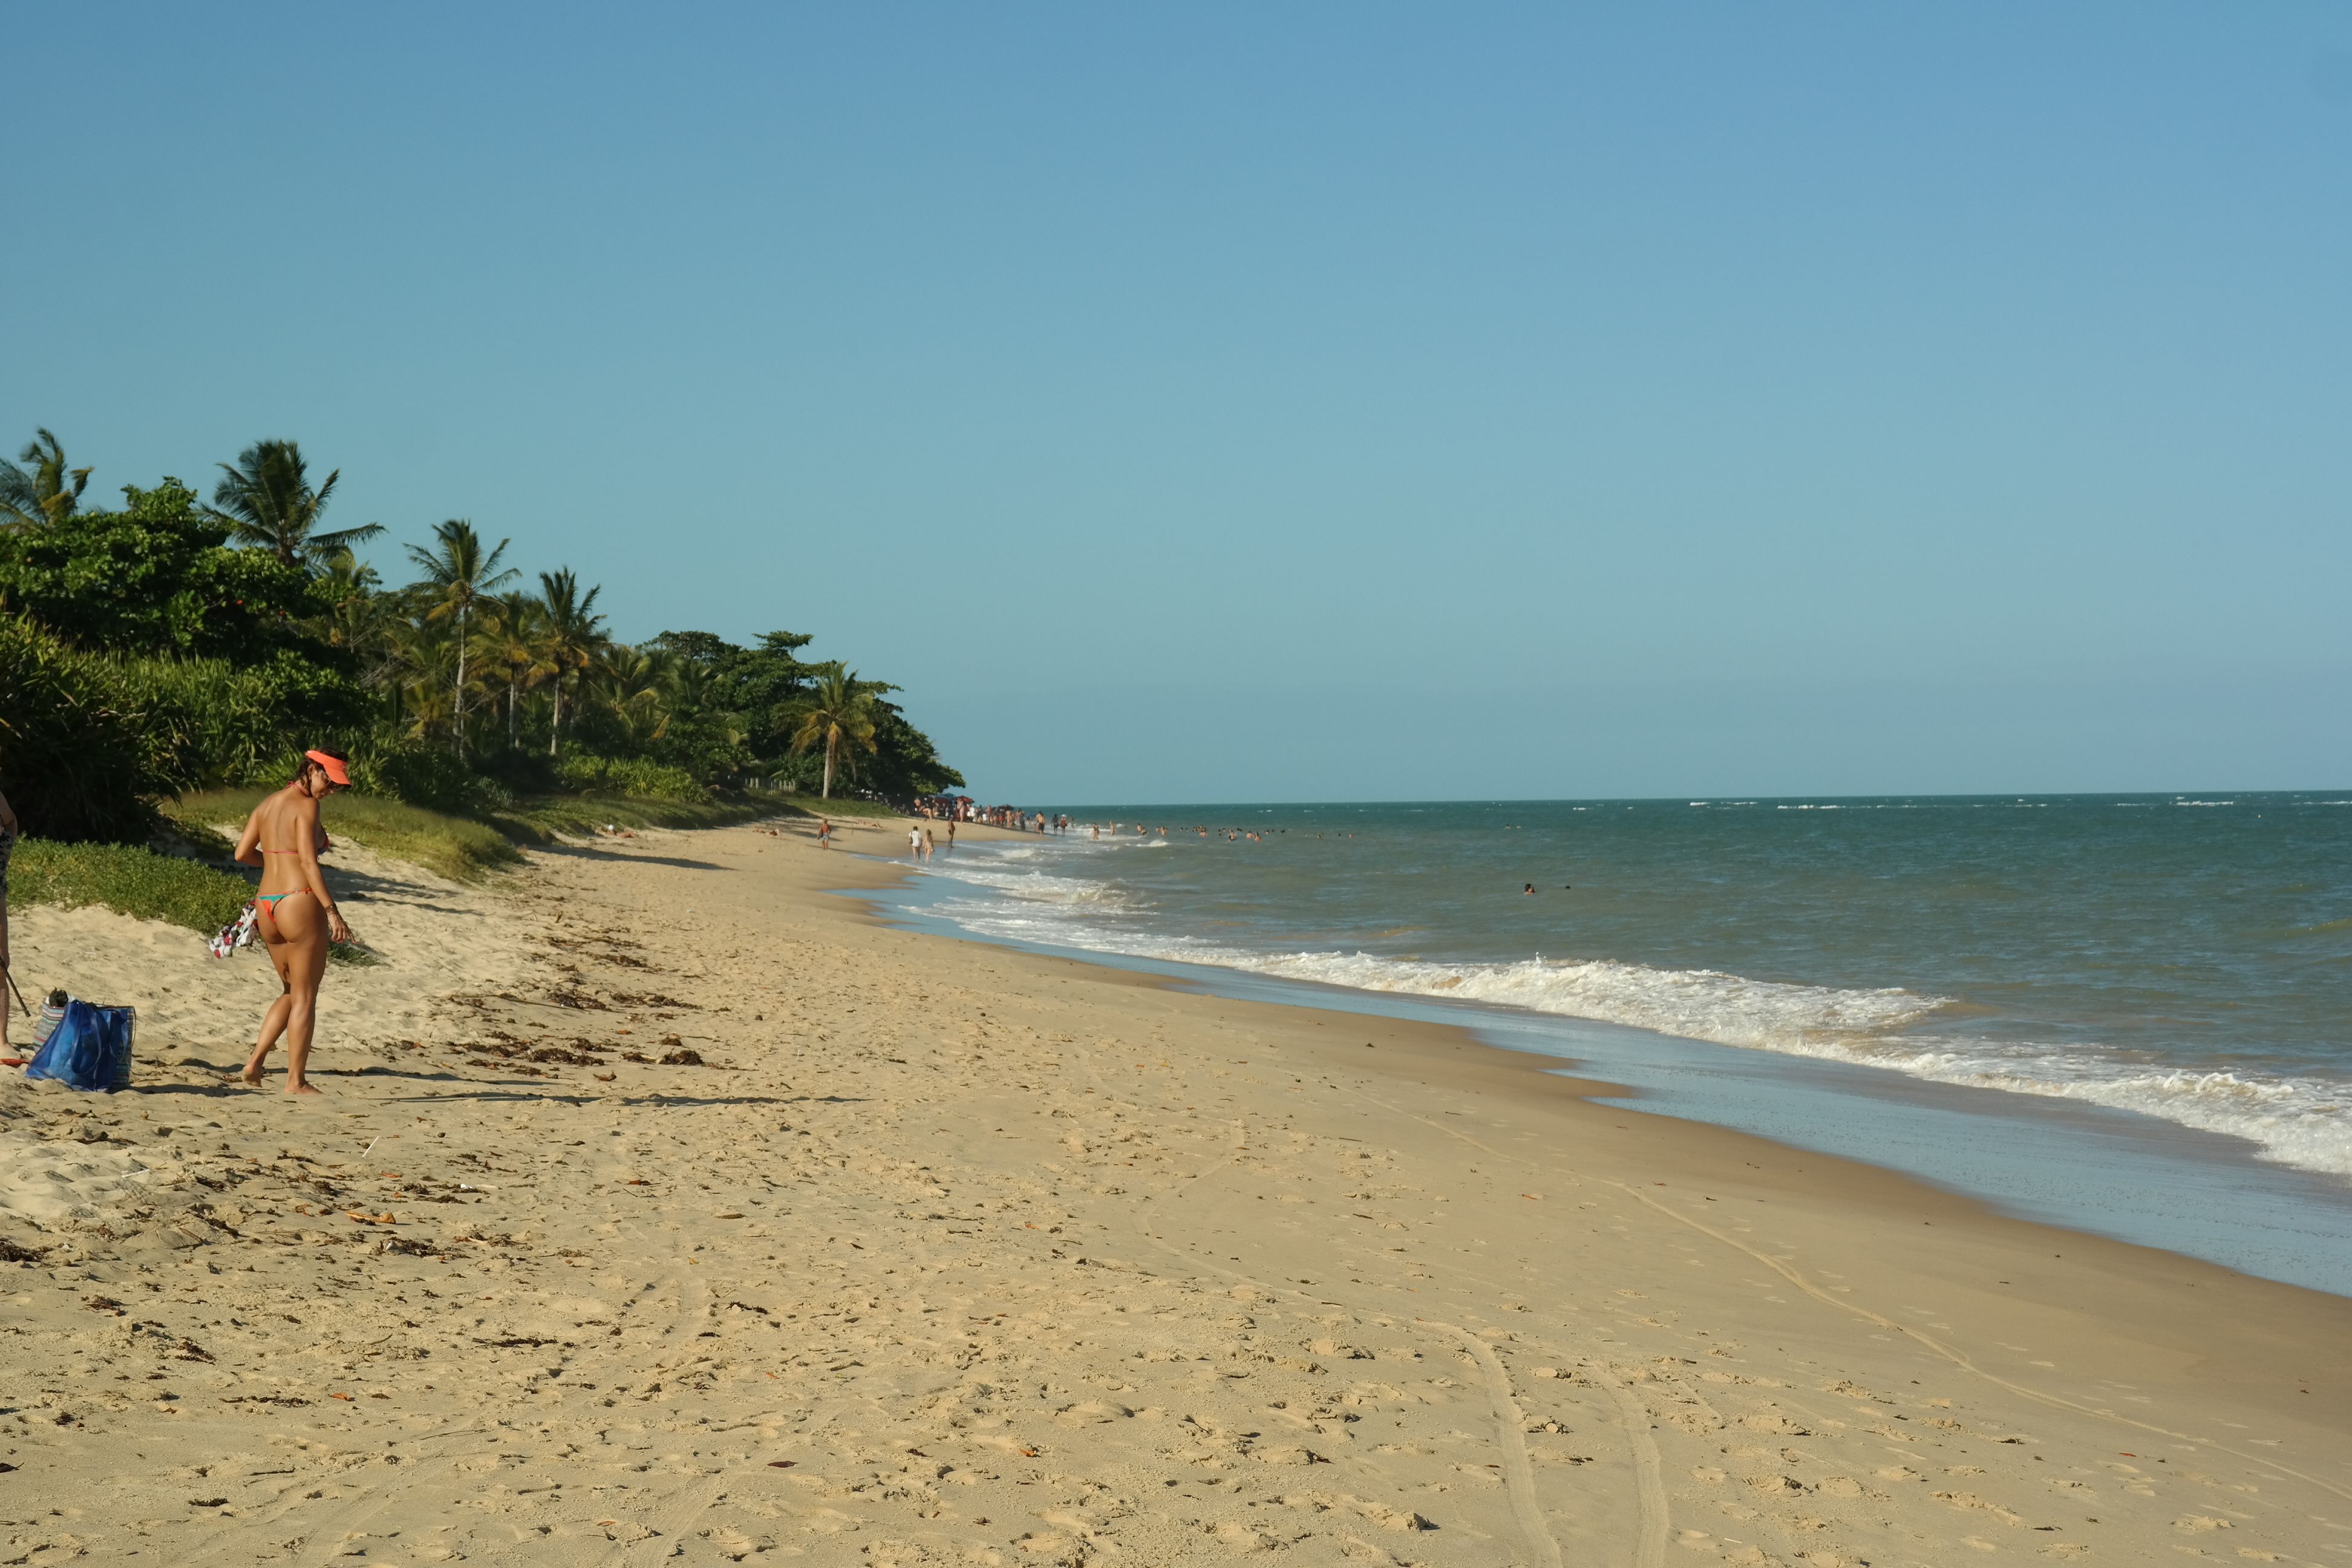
{"x": 466, "y": 849}
{"x": 535, "y": 820}
{"x": 457, "y": 848}
{"x": 132, "y": 880}
{"x": 544, "y": 819}
{"x": 129, "y": 879}
{"x": 810, "y": 806}
{"x": 135, "y": 881}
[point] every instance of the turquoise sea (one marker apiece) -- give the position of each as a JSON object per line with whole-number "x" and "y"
{"x": 2091, "y": 982}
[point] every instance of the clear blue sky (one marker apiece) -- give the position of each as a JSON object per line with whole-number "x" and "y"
{"x": 1288, "y": 402}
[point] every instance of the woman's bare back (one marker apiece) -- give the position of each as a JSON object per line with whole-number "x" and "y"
{"x": 279, "y": 827}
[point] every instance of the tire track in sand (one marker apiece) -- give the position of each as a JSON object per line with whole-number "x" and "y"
{"x": 1793, "y": 1276}
{"x": 1649, "y": 1473}
{"x": 1510, "y": 1421}
{"x": 1511, "y": 1432}
{"x": 1961, "y": 1358}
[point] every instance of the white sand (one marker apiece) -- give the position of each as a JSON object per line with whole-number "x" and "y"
{"x": 967, "y": 1257}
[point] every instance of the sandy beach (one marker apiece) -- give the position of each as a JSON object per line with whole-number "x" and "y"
{"x": 664, "y": 1206}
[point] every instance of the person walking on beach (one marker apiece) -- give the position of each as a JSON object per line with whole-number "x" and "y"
{"x": 915, "y": 842}
{"x": 951, "y": 822}
{"x": 299, "y": 917}
{"x": 824, "y": 833}
{"x": 9, "y": 828}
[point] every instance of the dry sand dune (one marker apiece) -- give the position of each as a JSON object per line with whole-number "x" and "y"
{"x": 948, "y": 1254}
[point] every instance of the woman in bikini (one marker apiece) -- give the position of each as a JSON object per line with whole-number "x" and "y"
{"x": 299, "y": 917}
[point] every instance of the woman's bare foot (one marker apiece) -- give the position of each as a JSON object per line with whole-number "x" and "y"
{"x": 299, "y": 1088}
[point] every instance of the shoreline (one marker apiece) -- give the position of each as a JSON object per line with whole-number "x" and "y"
{"x": 952, "y": 1252}
{"x": 2076, "y": 1165}
{"x": 1889, "y": 1192}
{"x": 2072, "y": 990}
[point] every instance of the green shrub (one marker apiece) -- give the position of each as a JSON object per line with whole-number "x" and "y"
{"x": 582, "y": 774}
{"x": 89, "y": 743}
{"x": 80, "y": 757}
{"x": 127, "y": 878}
{"x": 155, "y": 578}
{"x": 229, "y": 724}
{"x": 801, "y": 771}
{"x": 426, "y": 775}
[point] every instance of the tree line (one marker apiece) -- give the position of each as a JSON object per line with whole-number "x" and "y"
{"x": 173, "y": 644}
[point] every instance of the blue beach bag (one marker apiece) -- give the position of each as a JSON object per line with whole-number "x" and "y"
{"x": 90, "y": 1049}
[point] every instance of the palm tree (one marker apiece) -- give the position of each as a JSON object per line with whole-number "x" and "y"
{"x": 689, "y": 686}
{"x": 343, "y": 576}
{"x": 457, "y": 576}
{"x": 424, "y": 657}
{"x": 515, "y": 626}
{"x": 267, "y": 501}
{"x": 838, "y": 714}
{"x": 571, "y": 640}
{"x": 359, "y": 615}
{"x": 49, "y": 492}
{"x": 639, "y": 683}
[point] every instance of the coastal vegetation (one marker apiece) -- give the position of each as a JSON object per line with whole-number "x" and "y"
{"x": 836, "y": 718}
{"x": 173, "y": 656}
{"x": 133, "y": 879}
{"x": 458, "y": 848}
{"x": 128, "y": 878}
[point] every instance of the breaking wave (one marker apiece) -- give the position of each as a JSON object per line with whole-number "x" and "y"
{"x": 2296, "y": 1120}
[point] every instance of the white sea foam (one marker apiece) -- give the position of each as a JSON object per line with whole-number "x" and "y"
{"x": 1697, "y": 1004}
{"x": 2301, "y": 1121}
{"x": 1015, "y": 881}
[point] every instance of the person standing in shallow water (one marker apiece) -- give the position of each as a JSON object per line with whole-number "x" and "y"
{"x": 298, "y": 914}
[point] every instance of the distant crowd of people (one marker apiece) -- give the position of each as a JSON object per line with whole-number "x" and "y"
{"x": 953, "y": 808}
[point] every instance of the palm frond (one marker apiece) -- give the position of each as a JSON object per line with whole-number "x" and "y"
{"x": 267, "y": 500}
{"x": 49, "y": 492}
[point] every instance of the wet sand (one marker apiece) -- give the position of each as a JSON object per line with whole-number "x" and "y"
{"x": 948, "y": 1254}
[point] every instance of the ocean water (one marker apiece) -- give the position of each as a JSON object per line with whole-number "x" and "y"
{"x": 2184, "y": 959}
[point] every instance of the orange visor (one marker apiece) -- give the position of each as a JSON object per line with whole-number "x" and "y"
{"x": 336, "y": 772}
